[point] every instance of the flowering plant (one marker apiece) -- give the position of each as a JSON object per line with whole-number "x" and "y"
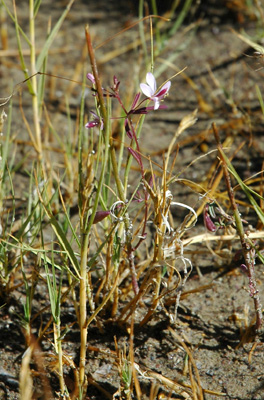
{"x": 149, "y": 89}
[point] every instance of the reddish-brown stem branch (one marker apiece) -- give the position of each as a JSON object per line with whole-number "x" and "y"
{"x": 95, "y": 73}
{"x": 248, "y": 252}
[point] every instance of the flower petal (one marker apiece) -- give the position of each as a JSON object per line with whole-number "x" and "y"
{"x": 156, "y": 102}
{"x": 164, "y": 89}
{"x": 95, "y": 115}
{"x": 91, "y": 124}
{"x": 151, "y": 81}
{"x": 146, "y": 89}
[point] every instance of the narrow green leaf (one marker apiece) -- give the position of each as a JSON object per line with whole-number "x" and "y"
{"x": 248, "y": 192}
{"x": 14, "y": 20}
{"x": 261, "y": 102}
{"x": 38, "y": 252}
{"x": 36, "y": 7}
{"x": 51, "y": 37}
{"x": 64, "y": 243}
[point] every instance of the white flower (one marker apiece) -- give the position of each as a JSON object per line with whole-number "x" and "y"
{"x": 150, "y": 89}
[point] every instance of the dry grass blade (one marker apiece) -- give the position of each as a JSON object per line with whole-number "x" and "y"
{"x": 249, "y": 42}
{"x": 25, "y": 378}
{"x": 197, "y": 390}
{"x": 176, "y": 387}
{"x": 26, "y": 385}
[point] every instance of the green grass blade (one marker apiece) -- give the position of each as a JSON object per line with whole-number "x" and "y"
{"x": 25, "y": 248}
{"x": 14, "y": 20}
{"x": 61, "y": 237}
{"x": 4, "y": 151}
{"x": 21, "y": 56}
{"x": 181, "y": 17}
{"x": 63, "y": 242}
{"x": 51, "y": 37}
{"x": 248, "y": 192}
{"x": 36, "y": 6}
{"x": 261, "y": 102}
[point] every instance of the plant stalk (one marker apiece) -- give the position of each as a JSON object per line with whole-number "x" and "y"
{"x": 83, "y": 308}
{"x": 35, "y": 105}
{"x": 58, "y": 348}
{"x": 114, "y": 163}
{"x": 247, "y": 250}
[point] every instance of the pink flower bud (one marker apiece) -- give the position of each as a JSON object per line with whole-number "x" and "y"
{"x": 208, "y": 221}
{"x": 135, "y": 155}
{"x": 116, "y": 83}
{"x": 91, "y": 78}
{"x": 100, "y": 215}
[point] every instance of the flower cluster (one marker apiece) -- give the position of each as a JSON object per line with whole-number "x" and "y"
{"x": 149, "y": 89}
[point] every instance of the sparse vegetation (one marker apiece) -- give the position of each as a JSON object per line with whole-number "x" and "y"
{"x": 90, "y": 242}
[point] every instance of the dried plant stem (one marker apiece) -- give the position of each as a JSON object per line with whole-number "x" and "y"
{"x": 248, "y": 251}
{"x": 83, "y": 310}
{"x": 57, "y": 342}
{"x": 3, "y": 29}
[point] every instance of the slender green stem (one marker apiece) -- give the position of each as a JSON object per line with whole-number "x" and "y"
{"x": 20, "y": 51}
{"x": 157, "y": 31}
{"x": 34, "y": 79}
{"x": 141, "y": 30}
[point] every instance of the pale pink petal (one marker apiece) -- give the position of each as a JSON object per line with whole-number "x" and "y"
{"x": 150, "y": 89}
{"x": 146, "y": 89}
{"x": 156, "y": 103}
{"x": 151, "y": 81}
